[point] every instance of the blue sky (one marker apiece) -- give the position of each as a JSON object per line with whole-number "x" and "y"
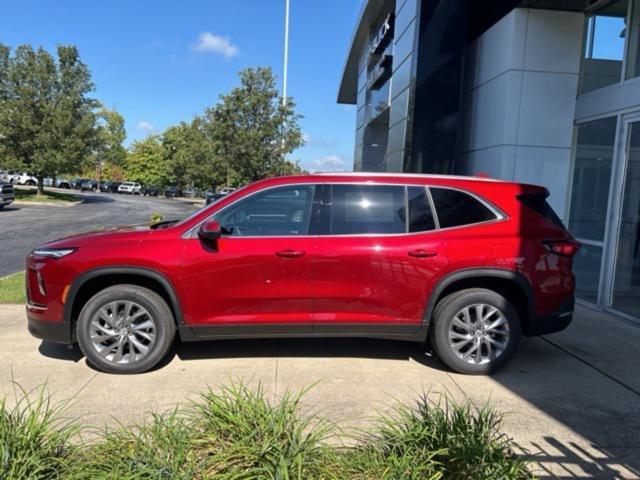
{"x": 159, "y": 62}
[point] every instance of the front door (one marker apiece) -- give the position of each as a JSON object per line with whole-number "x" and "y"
{"x": 378, "y": 254}
{"x": 260, "y": 271}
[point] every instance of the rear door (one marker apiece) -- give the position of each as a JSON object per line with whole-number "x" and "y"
{"x": 378, "y": 256}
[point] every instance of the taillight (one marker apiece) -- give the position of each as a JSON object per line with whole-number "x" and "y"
{"x": 566, "y": 248}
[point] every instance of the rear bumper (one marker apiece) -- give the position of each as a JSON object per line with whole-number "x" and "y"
{"x": 555, "y": 322}
{"x": 59, "y": 332}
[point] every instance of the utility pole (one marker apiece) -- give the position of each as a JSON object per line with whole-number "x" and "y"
{"x": 286, "y": 52}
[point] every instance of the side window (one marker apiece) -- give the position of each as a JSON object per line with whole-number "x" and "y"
{"x": 420, "y": 214}
{"x": 456, "y": 208}
{"x": 366, "y": 209}
{"x": 282, "y": 211}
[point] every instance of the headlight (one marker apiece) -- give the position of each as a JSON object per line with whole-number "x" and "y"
{"x": 53, "y": 252}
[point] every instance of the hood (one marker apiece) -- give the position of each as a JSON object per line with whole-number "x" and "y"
{"x": 108, "y": 236}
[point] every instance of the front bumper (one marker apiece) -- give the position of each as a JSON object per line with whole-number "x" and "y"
{"x": 59, "y": 332}
{"x": 553, "y": 323}
{"x": 6, "y": 200}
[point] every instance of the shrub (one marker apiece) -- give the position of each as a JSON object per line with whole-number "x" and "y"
{"x": 237, "y": 433}
{"x": 34, "y": 440}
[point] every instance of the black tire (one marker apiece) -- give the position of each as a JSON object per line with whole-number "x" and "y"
{"x": 159, "y": 312}
{"x": 445, "y": 314}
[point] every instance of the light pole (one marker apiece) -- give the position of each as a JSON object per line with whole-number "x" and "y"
{"x": 286, "y": 52}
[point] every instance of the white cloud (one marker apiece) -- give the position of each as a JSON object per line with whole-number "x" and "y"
{"x": 330, "y": 163}
{"x": 211, "y": 43}
{"x": 146, "y": 126}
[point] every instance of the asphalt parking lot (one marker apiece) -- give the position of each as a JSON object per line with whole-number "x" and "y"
{"x": 25, "y": 227}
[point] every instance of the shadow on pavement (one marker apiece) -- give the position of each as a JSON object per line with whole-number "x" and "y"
{"x": 60, "y": 351}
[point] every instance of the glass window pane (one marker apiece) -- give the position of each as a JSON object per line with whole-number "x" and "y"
{"x": 586, "y": 268}
{"x": 456, "y": 208}
{"x": 605, "y": 33}
{"x": 626, "y": 291}
{"x": 364, "y": 209}
{"x": 633, "y": 59}
{"x": 420, "y": 214}
{"x": 591, "y": 178}
{"x": 283, "y": 211}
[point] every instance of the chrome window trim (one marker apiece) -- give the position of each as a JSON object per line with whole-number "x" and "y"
{"x": 500, "y": 215}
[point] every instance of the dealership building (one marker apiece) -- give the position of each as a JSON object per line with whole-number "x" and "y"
{"x": 537, "y": 91}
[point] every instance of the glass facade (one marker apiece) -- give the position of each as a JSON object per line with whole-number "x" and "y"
{"x": 604, "y": 46}
{"x": 604, "y": 212}
{"x": 626, "y": 288}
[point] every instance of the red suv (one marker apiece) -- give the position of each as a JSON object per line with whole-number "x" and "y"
{"x": 470, "y": 264}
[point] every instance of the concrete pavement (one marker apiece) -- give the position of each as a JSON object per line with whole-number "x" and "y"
{"x": 572, "y": 399}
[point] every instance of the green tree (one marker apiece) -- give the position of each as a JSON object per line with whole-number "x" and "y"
{"x": 147, "y": 163}
{"x": 251, "y": 130}
{"x": 110, "y": 136}
{"x": 192, "y": 155}
{"x": 47, "y": 124}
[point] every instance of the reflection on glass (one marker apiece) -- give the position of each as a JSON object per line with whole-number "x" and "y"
{"x": 633, "y": 59}
{"x": 605, "y": 33}
{"x": 586, "y": 268}
{"x": 626, "y": 291}
{"x": 591, "y": 178}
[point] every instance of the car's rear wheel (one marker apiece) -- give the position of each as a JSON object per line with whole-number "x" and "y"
{"x": 475, "y": 331}
{"x": 125, "y": 329}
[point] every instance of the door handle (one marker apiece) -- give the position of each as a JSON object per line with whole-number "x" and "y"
{"x": 290, "y": 253}
{"x": 422, "y": 253}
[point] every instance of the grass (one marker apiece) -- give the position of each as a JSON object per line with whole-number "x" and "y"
{"x": 12, "y": 289}
{"x": 238, "y": 433}
{"x": 31, "y": 195}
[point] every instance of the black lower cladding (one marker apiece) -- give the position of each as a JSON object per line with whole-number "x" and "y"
{"x": 412, "y": 333}
{"x": 553, "y": 323}
{"x": 59, "y": 332}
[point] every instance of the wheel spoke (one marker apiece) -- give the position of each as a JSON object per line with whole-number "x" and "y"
{"x": 461, "y": 325}
{"x": 497, "y": 323}
{"x": 460, "y": 345}
{"x": 143, "y": 326}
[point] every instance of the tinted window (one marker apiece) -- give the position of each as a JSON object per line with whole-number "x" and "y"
{"x": 539, "y": 204}
{"x": 283, "y": 211}
{"x": 457, "y": 208}
{"x": 420, "y": 214}
{"x": 362, "y": 209}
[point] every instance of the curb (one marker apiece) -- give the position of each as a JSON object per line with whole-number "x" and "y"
{"x": 48, "y": 204}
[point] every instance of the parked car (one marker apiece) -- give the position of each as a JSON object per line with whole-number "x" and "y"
{"x": 89, "y": 185}
{"x": 211, "y": 197}
{"x": 6, "y": 194}
{"x": 63, "y": 183}
{"x": 76, "y": 183}
{"x": 468, "y": 264}
{"x": 172, "y": 192}
{"x": 109, "y": 187}
{"x": 151, "y": 191}
{"x": 24, "y": 178}
{"x": 132, "y": 188}
{"x": 227, "y": 190}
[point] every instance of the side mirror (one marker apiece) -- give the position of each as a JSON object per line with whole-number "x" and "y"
{"x": 210, "y": 231}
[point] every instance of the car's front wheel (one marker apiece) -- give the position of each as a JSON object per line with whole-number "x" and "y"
{"x": 125, "y": 329}
{"x": 475, "y": 331}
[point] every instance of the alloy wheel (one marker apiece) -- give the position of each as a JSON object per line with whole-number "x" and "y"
{"x": 479, "y": 334}
{"x": 123, "y": 332}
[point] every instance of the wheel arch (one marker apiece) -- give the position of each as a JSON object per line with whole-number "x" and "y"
{"x": 92, "y": 281}
{"x": 512, "y": 285}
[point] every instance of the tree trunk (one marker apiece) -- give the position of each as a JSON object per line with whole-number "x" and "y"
{"x": 40, "y": 185}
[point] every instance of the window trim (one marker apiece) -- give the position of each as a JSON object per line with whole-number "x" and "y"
{"x": 500, "y": 215}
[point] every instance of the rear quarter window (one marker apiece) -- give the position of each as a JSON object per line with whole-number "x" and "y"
{"x": 538, "y": 203}
{"x": 456, "y": 208}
